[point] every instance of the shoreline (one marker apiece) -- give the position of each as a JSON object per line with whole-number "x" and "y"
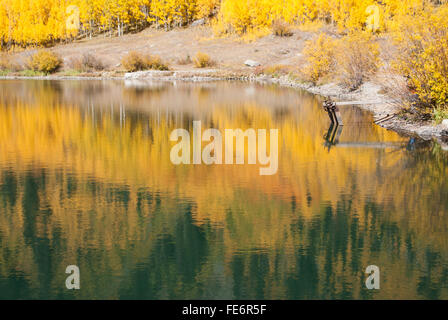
{"x": 368, "y": 92}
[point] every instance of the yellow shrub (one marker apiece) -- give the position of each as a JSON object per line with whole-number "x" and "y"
{"x": 423, "y": 56}
{"x": 319, "y": 54}
{"x": 353, "y": 58}
{"x": 357, "y": 57}
{"x": 135, "y": 61}
{"x": 202, "y": 60}
{"x": 45, "y": 61}
{"x": 156, "y": 63}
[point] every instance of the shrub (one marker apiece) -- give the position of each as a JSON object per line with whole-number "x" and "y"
{"x": 7, "y": 63}
{"x": 281, "y": 28}
{"x": 319, "y": 54}
{"x": 423, "y": 57}
{"x": 357, "y": 57}
{"x": 4, "y": 62}
{"x": 353, "y": 58}
{"x": 203, "y": 60}
{"x": 440, "y": 114}
{"x": 156, "y": 63}
{"x": 86, "y": 63}
{"x": 135, "y": 61}
{"x": 91, "y": 63}
{"x": 45, "y": 61}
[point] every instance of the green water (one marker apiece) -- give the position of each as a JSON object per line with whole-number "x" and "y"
{"x": 86, "y": 179}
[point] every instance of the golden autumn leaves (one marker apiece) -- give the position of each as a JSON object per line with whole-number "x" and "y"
{"x": 42, "y": 22}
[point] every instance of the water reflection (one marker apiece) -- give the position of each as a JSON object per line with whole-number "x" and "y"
{"x": 86, "y": 179}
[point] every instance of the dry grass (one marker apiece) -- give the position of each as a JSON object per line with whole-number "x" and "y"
{"x": 185, "y": 61}
{"x": 276, "y": 70}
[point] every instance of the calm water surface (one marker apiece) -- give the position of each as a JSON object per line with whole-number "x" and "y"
{"x": 86, "y": 179}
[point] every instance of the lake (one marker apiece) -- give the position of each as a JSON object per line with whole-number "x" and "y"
{"x": 86, "y": 180}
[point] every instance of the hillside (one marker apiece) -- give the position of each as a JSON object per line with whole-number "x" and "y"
{"x": 175, "y": 45}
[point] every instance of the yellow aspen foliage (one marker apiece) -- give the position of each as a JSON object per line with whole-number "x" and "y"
{"x": 423, "y": 56}
{"x": 206, "y": 8}
{"x": 43, "y": 22}
{"x": 320, "y": 57}
{"x": 31, "y": 22}
{"x": 247, "y": 15}
{"x": 353, "y": 58}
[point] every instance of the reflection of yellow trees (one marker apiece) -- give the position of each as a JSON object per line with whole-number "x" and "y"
{"x": 98, "y": 165}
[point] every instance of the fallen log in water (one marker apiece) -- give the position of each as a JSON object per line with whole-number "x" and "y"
{"x": 331, "y": 107}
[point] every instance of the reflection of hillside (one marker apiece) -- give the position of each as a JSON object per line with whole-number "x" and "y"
{"x": 95, "y": 183}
